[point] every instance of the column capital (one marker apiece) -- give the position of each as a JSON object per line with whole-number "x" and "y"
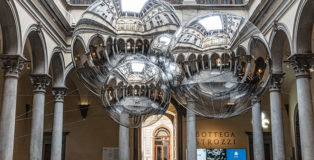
{"x": 301, "y": 63}
{"x": 12, "y": 64}
{"x": 276, "y": 81}
{"x": 40, "y": 82}
{"x": 59, "y": 93}
{"x": 256, "y": 100}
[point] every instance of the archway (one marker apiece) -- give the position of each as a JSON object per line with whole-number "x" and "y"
{"x": 161, "y": 144}
{"x": 10, "y": 39}
{"x": 303, "y": 29}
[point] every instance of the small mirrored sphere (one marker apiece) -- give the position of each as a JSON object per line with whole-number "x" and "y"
{"x": 112, "y": 42}
{"x": 226, "y": 63}
{"x": 137, "y": 88}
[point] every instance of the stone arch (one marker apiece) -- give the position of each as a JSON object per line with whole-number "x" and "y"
{"x": 79, "y": 50}
{"x": 35, "y": 49}
{"x": 303, "y": 28}
{"x": 96, "y": 47}
{"x": 280, "y": 39}
{"x": 240, "y": 50}
{"x": 130, "y": 45}
{"x": 121, "y": 45}
{"x": 95, "y": 36}
{"x": 10, "y": 32}
{"x": 109, "y": 46}
{"x": 57, "y": 68}
{"x": 139, "y": 45}
{"x": 214, "y": 60}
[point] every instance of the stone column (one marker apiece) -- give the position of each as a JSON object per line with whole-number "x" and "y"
{"x": 191, "y": 133}
{"x": 12, "y": 65}
{"x": 276, "y": 117}
{"x": 124, "y": 150}
{"x": 301, "y": 63}
{"x": 258, "y": 140}
{"x": 40, "y": 82}
{"x": 56, "y": 145}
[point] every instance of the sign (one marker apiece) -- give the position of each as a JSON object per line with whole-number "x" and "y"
{"x": 215, "y": 138}
{"x": 236, "y": 154}
{"x": 110, "y": 153}
{"x": 221, "y": 154}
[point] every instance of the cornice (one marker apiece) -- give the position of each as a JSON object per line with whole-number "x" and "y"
{"x": 260, "y": 11}
{"x": 59, "y": 18}
{"x": 30, "y": 7}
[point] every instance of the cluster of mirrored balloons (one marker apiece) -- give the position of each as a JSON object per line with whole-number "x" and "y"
{"x": 136, "y": 62}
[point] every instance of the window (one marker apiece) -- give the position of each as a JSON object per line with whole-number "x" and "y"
{"x": 161, "y": 144}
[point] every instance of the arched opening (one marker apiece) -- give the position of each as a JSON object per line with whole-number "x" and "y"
{"x": 35, "y": 50}
{"x": 215, "y": 61}
{"x": 225, "y": 61}
{"x": 241, "y": 62}
{"x": 57, "y": 69}
{"x": 97, "y": 52}
{"x": 109, "y": 47}
{"x": 130, "y": 46}
{"x": 146, "y": 46}
{"x": 158, "y": 140}
{"x": 121, "y": 46}
{"x": 139, "y": 46}
{"x": 280, "y": 49}
{"x": 304, "y": 30}
{"x": 161, "y": 144}
{"x": 192, "y": 63}
{"x": 9, "y": 31}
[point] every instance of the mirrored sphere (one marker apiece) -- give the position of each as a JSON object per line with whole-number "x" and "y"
{"x": 226, "y": 63}
{"x": 137, "y": 88}
{"x": 112, "y": 43}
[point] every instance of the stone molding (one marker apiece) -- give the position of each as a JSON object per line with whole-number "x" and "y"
{"x": 12, "y": 64}
{"x": 40, "y": 82}
{"x": 59, "y": 93}
{"x": 276, "y": 81}
{"x": 301, "y": 64}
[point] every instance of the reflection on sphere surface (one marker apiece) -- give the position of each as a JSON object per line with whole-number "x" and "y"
{"x": 113, "y": 58}
{"x": 226, "y": 63}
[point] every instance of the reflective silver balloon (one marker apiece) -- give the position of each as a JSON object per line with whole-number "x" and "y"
{"x": 226, "y": 62}
{"x": 111, "y": 38}
{"x": 138, "y": 88}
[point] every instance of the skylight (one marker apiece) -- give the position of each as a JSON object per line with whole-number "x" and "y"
{"x": 165, "y": 40}
{"x": 137, "y": 67}
{"x": 132, "y": 5}
{"x": 211, "y": 23}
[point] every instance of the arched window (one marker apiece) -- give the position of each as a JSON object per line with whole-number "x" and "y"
{"x": 161, "y": 144}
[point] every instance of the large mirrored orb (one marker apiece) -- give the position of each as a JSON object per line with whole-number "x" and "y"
{"x": 226, "y": 63}
{"x": 113, "y": 34}
{"x": 137, "y": 88}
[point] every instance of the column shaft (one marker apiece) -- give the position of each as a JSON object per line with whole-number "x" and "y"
{"x": 258, "y": 141}
{"x": 56, "y": 145}
{"x": 191, "y": 135}
{"x": 57, "y": 132}
{"x": 12, "y": 65}
{"x": 40, "y": 83}
{"x": 7, "y": 124}
{"x": 124, "y": 143}
{"x": 301, "y": 63}
{"x": 305, "y": 118}
{"x": 37, "y": 126}
{"x": 277, "y": 126}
